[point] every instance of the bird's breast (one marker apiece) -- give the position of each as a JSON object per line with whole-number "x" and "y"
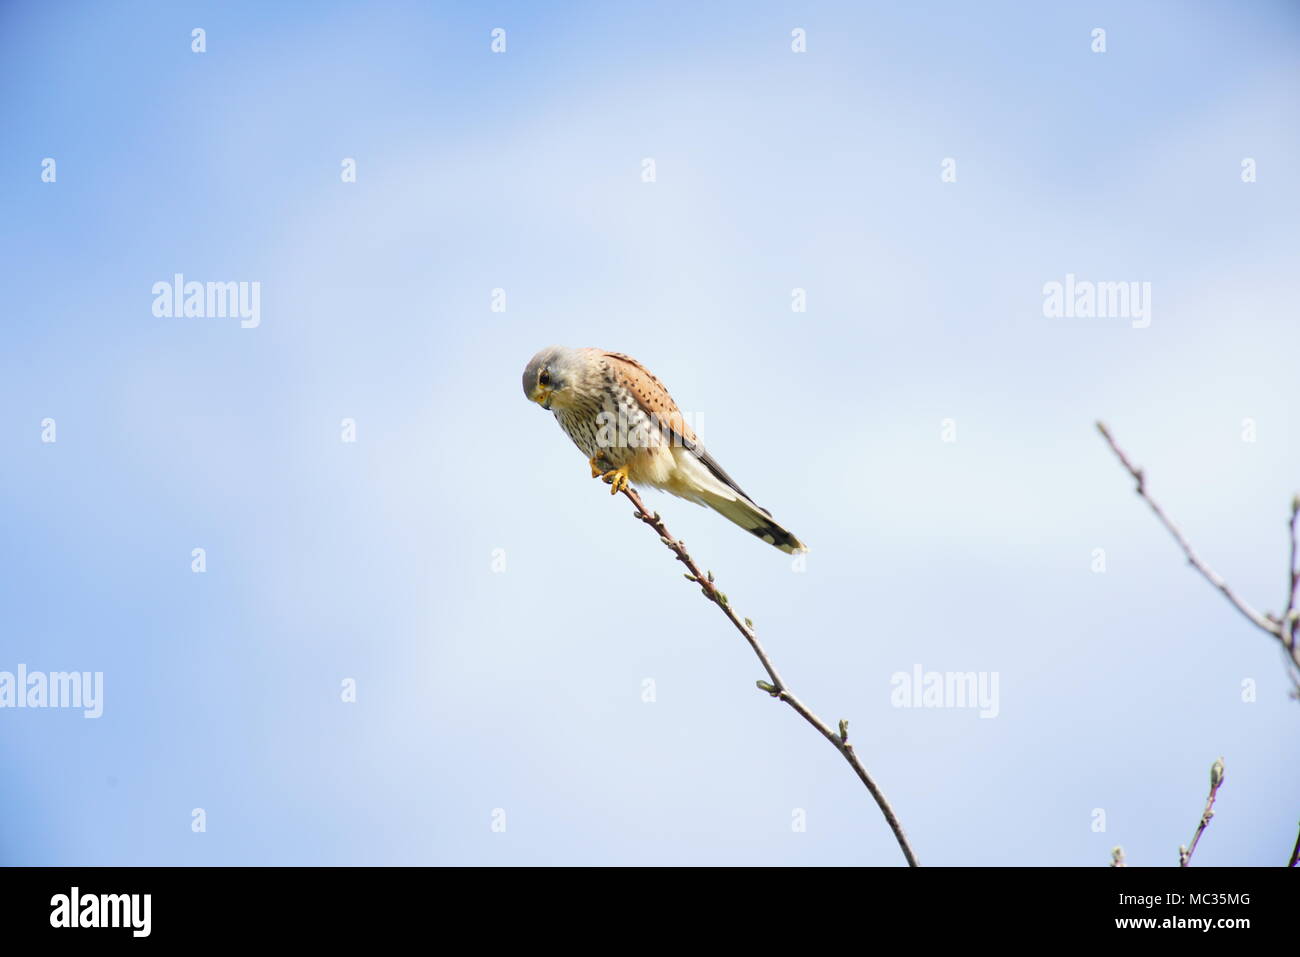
{"x": 610, "y": 423}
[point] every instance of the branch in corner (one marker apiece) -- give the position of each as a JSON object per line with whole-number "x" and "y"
{"x": 1283, "y": 628}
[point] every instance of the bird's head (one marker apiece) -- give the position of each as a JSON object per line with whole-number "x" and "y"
{"x": 550, "y": 377}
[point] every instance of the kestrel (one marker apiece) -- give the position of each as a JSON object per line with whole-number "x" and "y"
{"x": 631, "y": 430}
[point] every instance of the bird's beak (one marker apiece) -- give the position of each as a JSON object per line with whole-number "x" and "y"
{"x": 543, "y": 397}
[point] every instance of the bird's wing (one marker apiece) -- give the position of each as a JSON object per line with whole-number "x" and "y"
{"x": 653, "y": 397}
{"x": 650, "y": 394}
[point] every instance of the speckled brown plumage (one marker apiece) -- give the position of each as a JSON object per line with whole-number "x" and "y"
{"x": 630, "y": 428}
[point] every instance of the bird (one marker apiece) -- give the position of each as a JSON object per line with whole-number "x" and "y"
{"x": 623, "y": 419}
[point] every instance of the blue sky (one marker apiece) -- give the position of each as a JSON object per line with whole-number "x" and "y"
{"x": 481, "y": 689}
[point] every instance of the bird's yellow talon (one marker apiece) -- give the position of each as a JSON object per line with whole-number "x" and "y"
{"x": 617, "y": 479}
{"x": 597, "y": 465}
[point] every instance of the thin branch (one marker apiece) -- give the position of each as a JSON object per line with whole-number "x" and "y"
{"x": 1290, "y": 613}
{"x": 1282, "y": 629}
{"x": 1216, "y": 781}
{"x": 1295, "y": 854}
{"x": 1295, "y": 569}
{"x": 775, "y": 687}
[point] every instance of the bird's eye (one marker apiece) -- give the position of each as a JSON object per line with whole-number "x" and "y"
{"x": 544, "y": 378}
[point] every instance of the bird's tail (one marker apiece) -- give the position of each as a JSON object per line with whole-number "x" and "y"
{"x": 753, "y": 519}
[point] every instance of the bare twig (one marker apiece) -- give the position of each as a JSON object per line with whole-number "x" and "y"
{"x": 775, "y": 686}
{"x": 1295, "y": 853}
{"x": 1284, "y": 628}
{"x": 1216, "y": 780}
{"x": 1291, "y": 612}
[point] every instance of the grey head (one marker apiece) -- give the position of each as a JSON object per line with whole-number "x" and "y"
{"x": 551, "y": 375}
